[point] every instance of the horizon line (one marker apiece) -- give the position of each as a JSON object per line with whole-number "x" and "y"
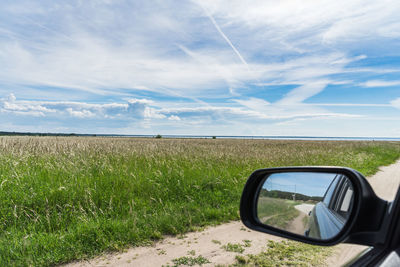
{"x": 21, "y": 133}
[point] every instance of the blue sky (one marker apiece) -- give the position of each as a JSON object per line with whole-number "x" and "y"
{"x": 309, "y": 184}
{"x": 209, "y": 67}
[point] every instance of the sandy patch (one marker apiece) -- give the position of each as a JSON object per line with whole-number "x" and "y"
{"x": 386, "y": 181}
{"x": 207, "y": 243}
{"x": 297, "y": 225}
{"x": 304, "y": 208}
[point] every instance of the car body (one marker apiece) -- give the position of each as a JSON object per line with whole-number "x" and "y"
{"x": 329, "y": 215}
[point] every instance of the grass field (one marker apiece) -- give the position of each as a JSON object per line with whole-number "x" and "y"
{"x": 276, "y": 212}
{"x": 74, "y": 197}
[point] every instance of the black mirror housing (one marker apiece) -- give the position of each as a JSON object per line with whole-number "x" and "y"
{"x": 363, "y": 226}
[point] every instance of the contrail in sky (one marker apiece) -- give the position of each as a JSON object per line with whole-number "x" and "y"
{"x": 225, "y": 37}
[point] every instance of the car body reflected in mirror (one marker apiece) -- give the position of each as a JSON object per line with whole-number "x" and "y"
{"x": 316, "y": 205}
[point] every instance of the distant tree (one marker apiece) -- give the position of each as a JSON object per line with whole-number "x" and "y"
{"x": 214, "y": 137}
{"x": 158, "y": 136}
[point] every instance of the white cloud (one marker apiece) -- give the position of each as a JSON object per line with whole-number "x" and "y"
{"x": 395, "y": 103}
{"x": 11, "y": 105}
{"x": 132, "y": 109}
{"x": 144, "y": 109}
{"x": 273, "y": 112}
{"x": 311, "y": 21}
{"x": 108, "y": 52}
{"x": 303, "y": 92}
{"x": 223, "y": 35}
{"x": 380, "y": 83}
{"x": 81, "y": 113}
{"x": 171, "y": 51}
{"x": 11, "y": 98}
{"x": 174, "y": 118}
{"x": 253, "y": 103}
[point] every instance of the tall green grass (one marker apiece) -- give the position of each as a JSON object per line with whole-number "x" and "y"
{"x": 277, "y": 212}
{"x": 71, "y": 198}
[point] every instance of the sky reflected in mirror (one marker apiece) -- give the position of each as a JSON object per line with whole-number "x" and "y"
{"x": 311, "y": 184}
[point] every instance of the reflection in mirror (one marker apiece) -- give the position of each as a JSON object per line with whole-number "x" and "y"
{"x": 313, "y": 204}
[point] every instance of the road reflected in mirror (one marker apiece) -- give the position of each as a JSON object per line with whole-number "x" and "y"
{"x": 311, "y": 204}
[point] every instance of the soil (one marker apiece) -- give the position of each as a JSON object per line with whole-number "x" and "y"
{"x": 207, "y": 243}
{"x": 297, "y": 225}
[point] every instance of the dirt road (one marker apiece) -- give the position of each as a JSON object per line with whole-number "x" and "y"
{"x": 304, "y": 208}
{"x": 297, "y": 225}
{"x": 209, "y": 243}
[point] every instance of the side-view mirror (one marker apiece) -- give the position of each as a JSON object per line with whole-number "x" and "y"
{"x": 316, "y": 205}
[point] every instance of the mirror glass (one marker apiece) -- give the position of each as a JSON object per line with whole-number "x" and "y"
{"x": 316, "y": 205}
